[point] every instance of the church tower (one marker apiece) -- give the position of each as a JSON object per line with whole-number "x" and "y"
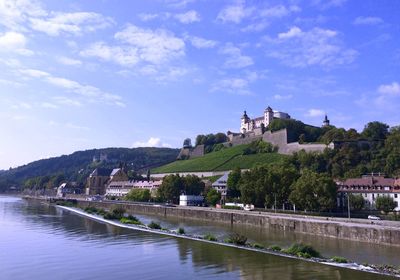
{"x": 326, "y": 121}
{"x": 268, "y": 116}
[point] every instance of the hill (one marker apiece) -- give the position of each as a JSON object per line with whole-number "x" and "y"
{"x": 77, "y": 166}
{"x": 222, "y": 160}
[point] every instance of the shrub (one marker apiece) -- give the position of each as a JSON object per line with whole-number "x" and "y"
{"x": 210, "y": 237}
{"x": 275, "y": 248}
{"x": 110, "y": 216}
{"x": 302, "y": 250}
{"x": 237, "y": 239}
{"x": 131, "y": 220}
{"x": 231, "y": 207}
{"x": 181, "y": 231}
{"x": 154, "y": 225}
{"x": 118, "y": 212}
{"x": 339, "y": 259}
{"x": 257, "y": 246}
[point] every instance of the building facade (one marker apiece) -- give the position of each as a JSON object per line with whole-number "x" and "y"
{"x": 249, "y": 125}
{"x": 122, "y": 188}
{"x": 100, "y": 177}
{"x": 370, "y": 187}
{"x": 221, "y": 186}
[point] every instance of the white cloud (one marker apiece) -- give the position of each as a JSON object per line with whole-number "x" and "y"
{"x": 48, "y": 105}
{"x": 235, "y": 58}
{"x": 13, "y": 13}
{"x": 152, "y": 142}
{"x": 14, "y": 42}
{"x": 279, "y": 11}
{"x": 188, "y": 17}
{"x": 390, "y": 89}
{"x": 297, "y": 48}
{"x": 234, "y": 13}
{"x": 201, "y": 43}
{"x": 315, "y": 113}
{"x": 147, "y": 17}
{"x": 367, "y": 21}
{"x": 327, "y": 4}
{"x": 283, "y": 97}
{"x": 69, "y": 61}
{"x": 73, "y": 23}
{"x": 232, "y": 85}
{"x": 67, "y": 101}
{"x": 139, "y": 45}
{"x": 93, "y": 94}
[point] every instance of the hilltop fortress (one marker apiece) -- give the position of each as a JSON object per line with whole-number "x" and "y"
{"x": 256, "y": 129}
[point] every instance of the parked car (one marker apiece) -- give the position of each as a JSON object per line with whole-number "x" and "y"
{"x": 373, "y": 217}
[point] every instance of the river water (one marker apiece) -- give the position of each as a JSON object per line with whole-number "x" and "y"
{"x": 43, "y": 242}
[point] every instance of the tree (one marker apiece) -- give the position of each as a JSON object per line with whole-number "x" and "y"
{"x": 170, "y": 188}
{"x": 313, "y": 191}
{"x": 385, "y": 203}
{"x": 213, "y": 196}
{"x": 357, "y": 202}
{"x": 138, "y": 195}
{"x": 193, "y": 185}
{"x": 233, "y": 183}
{"x": 375, "y": 131}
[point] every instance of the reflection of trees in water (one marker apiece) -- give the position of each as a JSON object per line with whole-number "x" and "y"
{"x": 253, "y": 265}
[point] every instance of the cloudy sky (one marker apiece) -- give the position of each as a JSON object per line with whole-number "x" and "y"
{"x": 82, "y": 74}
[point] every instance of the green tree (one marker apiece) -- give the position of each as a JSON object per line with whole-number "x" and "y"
{"x": 233, "y": 183}
{"x": 314, "y": 192}
{"x": 171, "y": 188}
{"x": 213, "y": 196}
{"x": 192, "y": 185}
{"x": 375, "y": 131}
{"x": 385, "y": 203}
{"x": 138, "y": 195}
{"x": 357, "y": 202}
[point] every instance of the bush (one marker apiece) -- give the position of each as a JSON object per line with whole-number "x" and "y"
{"x": 110, "y": 216}
{"x": 275, "y": 248}
{"x": 257, "y": 246}
{"x": 116, "y": 213}
{"x": 385, "y": 203}
{"x": 339, "y": 259}
{"x": 131, "y": 220}
{"x": 237, "y": 239}
{"x": 154, "y": 225}
{"x": 210, "y": 237}
{"x": 302, "y": 250}
{"x": 181, "y": 231}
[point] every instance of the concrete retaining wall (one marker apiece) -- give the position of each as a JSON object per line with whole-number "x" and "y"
{"x": 358, "y": 230}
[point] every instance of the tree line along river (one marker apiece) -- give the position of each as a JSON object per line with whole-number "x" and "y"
{"x": 38, "y": 241}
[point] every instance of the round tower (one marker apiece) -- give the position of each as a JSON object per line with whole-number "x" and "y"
{"x": 244, "y": 124}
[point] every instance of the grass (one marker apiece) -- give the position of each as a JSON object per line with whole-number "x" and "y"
{"x": 226, "y": 159}
{"x": 130, "y": 220}
{"x": 339, "y": 259}
{"x": 275, "y": 248}
{"x": 154, "y": 225}
{"x": 302, "y": 250}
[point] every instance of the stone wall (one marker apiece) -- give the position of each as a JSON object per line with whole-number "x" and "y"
{"x": 357, "y": 230}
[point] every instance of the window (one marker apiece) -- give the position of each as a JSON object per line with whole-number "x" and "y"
{"x": 395, "y": 195}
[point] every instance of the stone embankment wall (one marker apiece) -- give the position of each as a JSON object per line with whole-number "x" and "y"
{"x": 379, "y": 232}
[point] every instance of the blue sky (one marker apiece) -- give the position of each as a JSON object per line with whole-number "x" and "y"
{"x": 78, "y": 75}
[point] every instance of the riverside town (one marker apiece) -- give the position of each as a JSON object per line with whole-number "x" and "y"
{"x": 187, "y": 139}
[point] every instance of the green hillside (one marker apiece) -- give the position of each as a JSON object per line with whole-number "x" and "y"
{"x": 77, "y": 166}
{"x": 222, "y": 160}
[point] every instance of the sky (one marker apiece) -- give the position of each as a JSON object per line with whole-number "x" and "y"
{"x": 77, "y": 75}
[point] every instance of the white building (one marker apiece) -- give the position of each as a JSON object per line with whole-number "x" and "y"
{"x": 369, "y": 187}
{"x": 191, "y": 200}
{"x": 248, "y": 125}
{"x": 221, "y": 186}
{"x": 122, "y": 188}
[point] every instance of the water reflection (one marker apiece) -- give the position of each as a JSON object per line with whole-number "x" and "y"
{"x": 44, "y": 242}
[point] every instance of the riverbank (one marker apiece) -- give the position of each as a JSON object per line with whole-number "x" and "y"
{"x": 376, "y": 232}
{"x": 248, "y": 247}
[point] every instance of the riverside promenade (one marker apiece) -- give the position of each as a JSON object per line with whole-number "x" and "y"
{"x": 378, "y": 232}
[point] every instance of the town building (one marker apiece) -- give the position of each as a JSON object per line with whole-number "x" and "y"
{"x": 98, "y": 179}
{"x": 370, "y": 187}
{"x": 69, "y": 188}
{"x": 122, "y": 188}
{"x": 221, "y": 186}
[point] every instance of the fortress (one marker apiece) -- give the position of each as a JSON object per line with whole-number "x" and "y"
{"x": 256, "y": 129}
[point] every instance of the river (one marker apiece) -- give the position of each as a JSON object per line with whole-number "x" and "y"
{"x": 44, "y": 242}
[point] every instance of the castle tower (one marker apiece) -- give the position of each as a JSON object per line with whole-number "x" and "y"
{"x": 244, "y": 125}
{"x": 326, "y": 121}
{"x": 268, "y": 116}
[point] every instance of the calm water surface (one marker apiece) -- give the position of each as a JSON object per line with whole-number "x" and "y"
{"x": 43, "y": 242}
